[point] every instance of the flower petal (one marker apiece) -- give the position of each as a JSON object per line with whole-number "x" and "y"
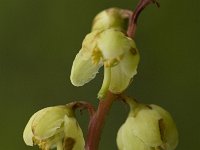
{"x": 73, "y": 132}
{"x": 130, "y": 62}
{"x": 83, "y": 70}
{"x": 122, "y": 73}
{"x": 113, "y": 43}
{"x": 126, "y": 140}
{"x": 48, "y": 121}
{"x": 170, "y": 131}
{"x": 89, "y": 44}
{"x": 145, "y": 126}
{"x": 28, "y": 134}
{"x": 119, "y": 80}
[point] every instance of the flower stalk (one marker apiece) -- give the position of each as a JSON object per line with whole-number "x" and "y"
{"x": 83, "y": 105}
{"x": 98, "y": 119}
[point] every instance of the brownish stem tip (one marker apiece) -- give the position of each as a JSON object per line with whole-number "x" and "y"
{"x": 83, "y": 105}
{"x": 133, "y": 20}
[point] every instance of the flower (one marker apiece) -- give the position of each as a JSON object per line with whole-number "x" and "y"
{"x": 111, "y": 18}
{"x": 54, "y": 127}
{"x": 147, "y": 127}
{"x": 114, "y": 50}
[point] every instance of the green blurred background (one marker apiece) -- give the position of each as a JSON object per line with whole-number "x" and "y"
{"x": 40, "y": 38}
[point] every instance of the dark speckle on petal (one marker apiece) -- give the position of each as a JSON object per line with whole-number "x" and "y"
{"x": 162, "y": 129}
{"x": 68, "y": 143}
{"x": 133, "y": 51}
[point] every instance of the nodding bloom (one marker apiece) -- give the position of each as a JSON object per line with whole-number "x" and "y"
{"x": 109, "y": 48}
{"x": 54, "y": 127}
{"x": 148, "y": 127}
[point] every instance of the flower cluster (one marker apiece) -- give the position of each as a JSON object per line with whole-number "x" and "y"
{"x": 147, "y": 127}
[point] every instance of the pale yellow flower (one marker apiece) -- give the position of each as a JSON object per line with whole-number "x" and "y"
{"x": 110, "y": 48}
{"x": 54, "y": 127}
{"x": 148, "y": 127}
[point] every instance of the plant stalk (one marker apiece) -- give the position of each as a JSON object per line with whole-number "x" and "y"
{"x": 97, "y": 122}
{"x": 133, "y": 20}
{"x": 98, "y": 118}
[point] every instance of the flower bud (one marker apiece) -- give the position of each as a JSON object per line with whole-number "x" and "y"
{"x": 110, "y": 18}
{"x": 54, "y": 127}
{"x": 148, "y": 127}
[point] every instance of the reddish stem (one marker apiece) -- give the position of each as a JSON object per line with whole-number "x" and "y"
{"x": 83, "y": 105}
{"x": 133, "y": 20}
{"x": 97, "y": 122}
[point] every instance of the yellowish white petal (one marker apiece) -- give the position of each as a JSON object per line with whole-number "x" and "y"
{"x": 89, "y": 44}
{"x": 28, "y": 134}
{"x": 73, "y": 131}
{"x": 130, "y": 62}
{"x": 83, "y": 69}
{"x": 122, "y": 73}
{"x": 119, "y": 80}
{"x": 126, "y": 140}
{"x": 113, "y": 44}
{"x": 48, "y": 121}
{"x": 146, "y": 126}
{"x": 170, "y": 130}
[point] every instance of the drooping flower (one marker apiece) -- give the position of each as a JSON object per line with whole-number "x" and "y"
{"x": 148, "y": 127}
{"x": 114, "y": 50}
{"x": 54, "y": 127}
